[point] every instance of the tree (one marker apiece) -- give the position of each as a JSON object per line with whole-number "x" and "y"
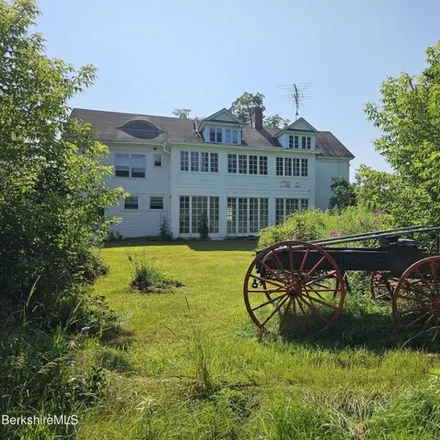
{"x": 182, "y": 113}
{"x": 276, "y": 121}
{"x": 343, "y": 194}
{"x": 408, "y": 117}
{"x": 53, "y": 191}
{"x": 244, "y": 105}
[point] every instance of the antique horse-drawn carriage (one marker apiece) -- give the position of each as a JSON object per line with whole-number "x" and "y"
{"x": 301, "y": 285}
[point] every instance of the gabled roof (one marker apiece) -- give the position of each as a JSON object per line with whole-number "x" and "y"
{"x": 118, "y": 127}
{"x": 223, "y": 115}
{"x": 300, "y": 125}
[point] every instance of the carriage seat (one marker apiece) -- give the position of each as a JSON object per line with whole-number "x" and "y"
{"x": 406, "y": 242}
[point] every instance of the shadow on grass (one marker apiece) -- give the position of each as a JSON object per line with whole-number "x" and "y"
{"x": 362, "y": 324}
{"x": 244, "y": 244}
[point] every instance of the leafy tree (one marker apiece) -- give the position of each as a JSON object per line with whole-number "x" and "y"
{"x": 390, "y": 192}
{"x": 276, "y": 121}
{"x": 343, "y": 194}
{"x": 244, "y": 105}
{"x": 409, "y": 117}
{"x": 182, "y": 113}
{"x": 52, "y": 187}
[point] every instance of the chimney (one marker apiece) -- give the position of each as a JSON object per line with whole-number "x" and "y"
{"x": 257, "y": 118}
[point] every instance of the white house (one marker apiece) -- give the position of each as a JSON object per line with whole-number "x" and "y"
{"x": 244, "y": 177}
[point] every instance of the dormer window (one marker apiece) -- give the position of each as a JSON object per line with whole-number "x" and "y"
{"x": 215, "y": 135}
{"x": 223, "y": 135}
{"x": 293, "y": 142}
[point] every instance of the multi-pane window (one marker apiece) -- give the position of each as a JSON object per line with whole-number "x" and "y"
{"x": 304, "y": 167}
{"x": 204, "y": 166}
{"x": 157, "y": 160}
{"x": 130, "y": 165}
{"x": 263, "y": 164}
{"x": 198, "y": 161}
{"x": 247, "y": 215}
{"x": 296, "y": 167}
{"x": 287, "y": 166}
{"x": 296, "y": 142}
{"x": 184, "y": 215}
{"x": 223, "y": 135}
{"x": 242, "y": 164}
{"x": 232, "y": 163}
{"x": 131, "y": 202}
{"x": 215, "y": 135}
{"x": 194, "y": 161}
{"x": 303, "y": 142}
{"x": 291, "y": 141}
{"x": 156, "y": 202}
{"x": 214, "y": 162}
{"x": 184, "y": 160}
{"x": 285, "y": 207}
{"x": 279, "y": 168}
{"x": 253, "y": 164}
{"x": 309, "y": 142}
{"x": 192, "y": 210}
{"x": 122, "y": 165}
{"x": 245, "y": 164}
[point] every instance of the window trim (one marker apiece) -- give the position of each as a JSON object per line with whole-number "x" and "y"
{"x": 130, "y": 165}
{"x": 155, "y": 156}
{"x": 156, "y": 197}
{"x": 131, "y": 196}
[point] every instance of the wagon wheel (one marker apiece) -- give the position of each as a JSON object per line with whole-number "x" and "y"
{"x": 306, "y": 292}
{"x": 382, "y": 286}
{"x": 416, "y": 299}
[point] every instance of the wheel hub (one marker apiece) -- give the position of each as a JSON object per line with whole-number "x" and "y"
{"x": 294, "y": 290}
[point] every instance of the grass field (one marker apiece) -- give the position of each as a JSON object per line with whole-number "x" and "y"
{"x": 191, "y": 365}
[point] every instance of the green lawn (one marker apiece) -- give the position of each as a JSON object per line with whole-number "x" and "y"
{"x": 196, "y": 368}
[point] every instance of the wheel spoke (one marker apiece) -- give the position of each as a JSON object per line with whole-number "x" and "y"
{"x": 268, "y": 292}
{"x": 415, "y": 309}
{"x": 286, "y": 312}
{"x": 265, "y": 280}
{"x": 292, "y": 271}
{"x": 321, "y": 277}
{"x": 280, "y": 265}
{"x": 271, "y": 301}
{"x": 434, "y": 275}
{"x": 417, "y": 289}
{"x": 314, "y": 309}
{"x": 272, "y": 272}
{"x": 321, "y": 302}
{"x": 306, "y": 318}
{"x": 410, "y": 298}
{"x": 303, "y": 262}
{"x": 416, "y": 320}
{"x": 280, "y": 304}
{"x": 315, "y": 266}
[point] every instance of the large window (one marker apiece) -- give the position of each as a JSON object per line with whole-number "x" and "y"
{"x": 198, "y": 161}
{"x": 285, "y": 207}
{"x": 247, "y": 164}
{"x": 247, "y": 215}
{"x": 215, "y": 135}
{"x": 130, "y": 165}
{"x": 287, "y": 166}
{"x": 192, "y": 208}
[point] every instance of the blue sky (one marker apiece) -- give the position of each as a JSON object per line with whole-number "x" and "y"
{"x": 156, "y": 56}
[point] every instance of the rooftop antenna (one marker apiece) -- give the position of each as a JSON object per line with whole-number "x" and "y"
{"x": 296, "y": 93}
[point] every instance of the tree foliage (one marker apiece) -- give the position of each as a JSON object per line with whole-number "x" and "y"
{"x": 276, "y": 121}
{"x": 182, "y": 113}
{"x": 343, "y": 194}
{"x": 409, "y": 118}
{"x": 52, "y": 187}
{"x": 244, "y": 105}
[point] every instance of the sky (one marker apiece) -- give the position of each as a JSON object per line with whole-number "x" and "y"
{"x": 155, "y": 56}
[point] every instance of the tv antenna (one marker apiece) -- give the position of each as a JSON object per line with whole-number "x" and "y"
{"x": 296, "y": 94}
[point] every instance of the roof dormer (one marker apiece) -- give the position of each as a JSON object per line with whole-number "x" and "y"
{"x": 222, "y": 128}
{"x": 300, "y": 135}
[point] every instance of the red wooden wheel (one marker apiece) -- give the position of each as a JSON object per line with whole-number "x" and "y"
{"x": 416, "y": 299}
{"x": 382, "y": 286}
{"x": 294, "y": 284}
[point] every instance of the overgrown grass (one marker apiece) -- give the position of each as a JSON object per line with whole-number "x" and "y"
{"x": 198, "y": 369}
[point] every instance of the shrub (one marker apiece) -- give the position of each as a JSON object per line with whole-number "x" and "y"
{"x": 148, "y": 278}
{"x": 164, "y": 227}
{"x": 315, "y": 224}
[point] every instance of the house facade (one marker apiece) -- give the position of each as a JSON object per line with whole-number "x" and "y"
{"x": 241, "y": 178}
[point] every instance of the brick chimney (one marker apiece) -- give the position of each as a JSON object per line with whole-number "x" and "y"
{"x": 257, "y": 118}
